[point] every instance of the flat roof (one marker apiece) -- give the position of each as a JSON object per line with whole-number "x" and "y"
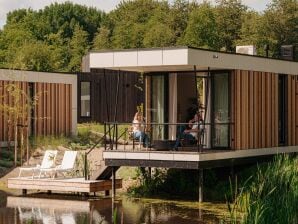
{"x": 184, "y": 59}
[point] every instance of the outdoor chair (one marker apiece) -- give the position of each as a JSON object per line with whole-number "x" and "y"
{"x": 67, "y": 164}
{"x": 48, "y": 161}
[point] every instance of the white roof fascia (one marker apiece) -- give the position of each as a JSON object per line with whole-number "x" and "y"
{"x": 181, "y": 59}
{"x": 241, "y": 62}
{"x": 139, "y": 58}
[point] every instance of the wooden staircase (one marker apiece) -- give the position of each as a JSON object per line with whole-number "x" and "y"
{"x": 104, "y": 173}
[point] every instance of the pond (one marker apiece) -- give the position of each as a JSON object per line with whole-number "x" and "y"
{"x": 61, "y": 209}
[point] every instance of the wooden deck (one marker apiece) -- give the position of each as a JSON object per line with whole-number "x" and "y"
{"x": 62, "y": 184}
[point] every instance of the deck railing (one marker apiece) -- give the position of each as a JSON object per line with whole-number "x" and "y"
{"x": 163, "y": 136}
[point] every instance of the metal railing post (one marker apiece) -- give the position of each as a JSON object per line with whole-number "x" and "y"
{"x": 116, "y": 130}
{"x": 105, "y": 135}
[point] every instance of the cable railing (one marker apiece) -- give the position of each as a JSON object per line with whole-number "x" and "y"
{"x": 167, "y": 136}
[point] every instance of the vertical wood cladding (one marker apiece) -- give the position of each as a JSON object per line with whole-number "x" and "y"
{"x": 6, "y": 117}
{"x": 52, "y": 113}
{"x": 255, "y": 109}
{"x": 103, "y": 103}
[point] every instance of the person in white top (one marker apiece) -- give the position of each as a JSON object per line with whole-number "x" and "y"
{"x": 138, "y": 129}
{"x": 192, "y": 132}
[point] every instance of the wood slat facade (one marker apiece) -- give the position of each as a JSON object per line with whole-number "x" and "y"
{"x": 52, "y": 114}
{"x": 255, "y": 110}
{"x": 15, "y": 104}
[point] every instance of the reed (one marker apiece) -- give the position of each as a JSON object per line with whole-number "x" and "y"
{"x": 271, "y": 196}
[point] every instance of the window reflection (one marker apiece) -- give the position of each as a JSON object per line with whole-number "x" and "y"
{"x": 221, "y": 110}
{"x": 85, "y": 99}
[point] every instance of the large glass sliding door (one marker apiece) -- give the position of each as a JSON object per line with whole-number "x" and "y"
{"x": 220, "y": 110}
{"x": 159, "y": 111}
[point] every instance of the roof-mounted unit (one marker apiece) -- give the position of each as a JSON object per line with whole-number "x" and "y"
{"x": 287, "y": 52}
{"x": 248, "y": 49}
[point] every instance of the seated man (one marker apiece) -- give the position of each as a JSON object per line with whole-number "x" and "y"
{"x": 138, "y": 129}
{"x": 192, "y": 133}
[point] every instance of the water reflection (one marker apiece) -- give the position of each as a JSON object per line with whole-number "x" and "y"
{"x": 69, "y": 211}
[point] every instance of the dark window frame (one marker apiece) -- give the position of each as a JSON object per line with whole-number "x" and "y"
{"x": 282, "y": 110}
{"x": 212, "y": 114}
{"x": 90, "y": 101}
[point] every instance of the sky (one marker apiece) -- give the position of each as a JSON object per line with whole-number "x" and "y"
{"x": 105, "y": 5}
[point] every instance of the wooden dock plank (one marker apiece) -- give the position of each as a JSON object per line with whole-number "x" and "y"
{"x": 68, "y": 185}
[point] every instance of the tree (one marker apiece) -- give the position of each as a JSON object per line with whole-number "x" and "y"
{"x": 35, "y": 56}
{"x": 229, "y": 14}
{"x": 178, "y": 18}
{"x": 17, "y": 111}
{"x": 280, "y": 25}
{"x": 201, "y": 30}
{"x": 102, "y": 39}
{"x": 250, "y": 29}
{"x": 159, "y": 32}
{"x": 78, "y": 48}
{"x": 130, "y": 22}
{"x": 51, "y": 30}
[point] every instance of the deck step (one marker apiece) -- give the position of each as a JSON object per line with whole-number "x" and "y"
{"x": 104, "y": 173}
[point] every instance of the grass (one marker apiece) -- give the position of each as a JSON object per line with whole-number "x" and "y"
{"x": 269, "y": 196}
{"x": 53, "y": 141}
{"x": 127, "y": 173}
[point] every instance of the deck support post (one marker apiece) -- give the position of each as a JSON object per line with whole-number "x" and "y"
{"x": 113, "y": 182}
{"x": 24, "y": 191}
{"x": 201, "y": 177}
{"x": 150, "y": 173}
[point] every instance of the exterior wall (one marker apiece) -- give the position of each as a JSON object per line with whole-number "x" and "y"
{"x": 254, "y": 111}
{"x": 6, "y": 130}
{"x": 53, "y": 110}
{"x": 103, "y": 99}
{"x": 56, "y": 109}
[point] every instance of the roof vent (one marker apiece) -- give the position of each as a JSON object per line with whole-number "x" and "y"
{"x": 248, "y": 49}
{"x": 287, "y": 52}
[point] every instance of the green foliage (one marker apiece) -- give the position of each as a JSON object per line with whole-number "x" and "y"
{"x": 229, "y": 14}
{"x": 202, "y": 30}
{"x": 270, "y": 197}
{"x": 5, "y": 163}
{"x": 52, "y": 39}
{"x": 53, "y": 141}
{"x": 280, "y": 25}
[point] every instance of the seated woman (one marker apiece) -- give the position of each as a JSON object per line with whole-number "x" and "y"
{"x": 190, "y": 134}
{"x": 138, "y": 129}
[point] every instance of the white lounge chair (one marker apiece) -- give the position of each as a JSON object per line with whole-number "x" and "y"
{"x": 67, "y": 164}
{"x": 48, "y": 161}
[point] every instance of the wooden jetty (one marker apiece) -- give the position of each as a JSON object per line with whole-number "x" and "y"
{"x": 62, "y": 184}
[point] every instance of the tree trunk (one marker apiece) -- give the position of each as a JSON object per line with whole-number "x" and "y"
{"x": 27, "y": 144}
{"x": 22, "y": 144}
{"x": 15, "y": 144}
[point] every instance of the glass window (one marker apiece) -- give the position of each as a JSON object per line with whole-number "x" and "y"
{"x": 158, "y": 106}
{"x": 85, "y": 99}
{"x": 221, "y": 110}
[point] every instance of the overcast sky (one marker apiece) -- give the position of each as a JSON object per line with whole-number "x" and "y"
{"x": 106, "y": 5}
